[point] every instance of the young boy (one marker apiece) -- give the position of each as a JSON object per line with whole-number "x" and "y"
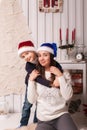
{"x": 26, "y": 51}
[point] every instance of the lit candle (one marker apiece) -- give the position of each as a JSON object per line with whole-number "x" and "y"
{"x": 72, "y": 35}
{"x": 67, "y": 34}
{"x": 60, "y": 34}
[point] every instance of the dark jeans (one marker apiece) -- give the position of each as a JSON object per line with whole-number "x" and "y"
{"x": 26, "y": 110}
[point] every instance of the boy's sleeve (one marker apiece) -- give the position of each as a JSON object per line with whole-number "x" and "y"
{"x": 43, "y": 81}
{"x": 29, "y": 68}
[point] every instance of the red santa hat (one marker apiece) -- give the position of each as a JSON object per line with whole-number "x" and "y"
{"x": 25, "y": 46}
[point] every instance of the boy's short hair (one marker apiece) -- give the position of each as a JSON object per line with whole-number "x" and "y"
{"x": 25, "y": 46}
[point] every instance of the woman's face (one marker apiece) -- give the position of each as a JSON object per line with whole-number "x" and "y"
{"x": 44, "y": 58}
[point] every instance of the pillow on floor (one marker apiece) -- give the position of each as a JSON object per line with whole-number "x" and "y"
{"x": 29, "y": 127}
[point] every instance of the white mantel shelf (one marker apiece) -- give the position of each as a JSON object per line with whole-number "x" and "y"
{"x": 71, "y": 61}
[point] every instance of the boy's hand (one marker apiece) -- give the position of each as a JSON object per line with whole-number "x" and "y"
{"x": 56, "y": 83}
{"x": 55, "y": 71}
{"x": 34, "y": 74}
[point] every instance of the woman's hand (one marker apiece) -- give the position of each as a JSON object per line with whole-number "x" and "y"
{"x": 55, "y": 71}
{"x": 33, "y": 75}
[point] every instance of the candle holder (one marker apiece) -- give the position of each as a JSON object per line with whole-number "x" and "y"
{"x": 68, "y": 47}
{"x": 60, "y": 43}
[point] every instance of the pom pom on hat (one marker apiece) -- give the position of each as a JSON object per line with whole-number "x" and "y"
{"x": 25, "y": 46}
{"x": 50, "y": 47}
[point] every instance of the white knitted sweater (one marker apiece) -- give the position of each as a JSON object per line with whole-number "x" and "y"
{"x": 51, "y": 102}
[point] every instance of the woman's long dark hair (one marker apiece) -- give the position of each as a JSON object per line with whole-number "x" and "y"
{"x": 41, "y": 69}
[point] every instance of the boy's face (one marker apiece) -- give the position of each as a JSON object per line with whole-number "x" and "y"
{"x": 28, "y": 56}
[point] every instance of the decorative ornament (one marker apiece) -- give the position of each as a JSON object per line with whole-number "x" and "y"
{"x": 50, "y": 6}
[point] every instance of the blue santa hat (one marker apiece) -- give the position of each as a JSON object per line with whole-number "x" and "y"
{"x": 49, "y": 47}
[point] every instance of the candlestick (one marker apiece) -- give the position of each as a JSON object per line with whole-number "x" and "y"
{"x": 72, "y": 36}
{"x": 74, "y": 33}
{"x": 60, "y": 36}
{"x": 67, "y": 34}
{"x": 60, "y": 32}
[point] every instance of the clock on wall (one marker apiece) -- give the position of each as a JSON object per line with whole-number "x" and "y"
{"x": 80, "y": 52}
{"x": 79, "y": 56}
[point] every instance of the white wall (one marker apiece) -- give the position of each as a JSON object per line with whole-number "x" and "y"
{"x": 85, "y": 25}
{"x": 45, "y": 26}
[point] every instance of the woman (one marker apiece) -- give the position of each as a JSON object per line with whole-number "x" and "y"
{"x": 52, "y": 111}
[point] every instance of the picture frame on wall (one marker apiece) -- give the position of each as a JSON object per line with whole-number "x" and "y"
{"x": 50, "y": 6}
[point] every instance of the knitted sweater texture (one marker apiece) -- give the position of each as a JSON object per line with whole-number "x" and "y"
{"x": 51, "y": 102}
